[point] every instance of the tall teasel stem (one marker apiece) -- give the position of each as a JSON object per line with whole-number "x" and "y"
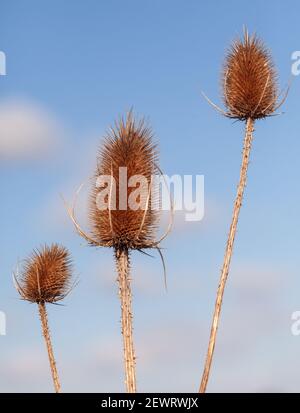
{"x": 228, "y": 252}
{"x": 46, "y": 334}
{"x": 123, "y": 224}
{"x": 123, "y": 268}
{"x": 250, "y": 92}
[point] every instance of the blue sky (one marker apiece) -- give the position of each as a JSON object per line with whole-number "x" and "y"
{"x": 72, "y": 68}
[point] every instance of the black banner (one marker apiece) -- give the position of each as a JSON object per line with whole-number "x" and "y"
{"x": 133, "y": 402}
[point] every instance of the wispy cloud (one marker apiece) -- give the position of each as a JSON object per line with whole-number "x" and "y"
{"x": 27, "y": 130}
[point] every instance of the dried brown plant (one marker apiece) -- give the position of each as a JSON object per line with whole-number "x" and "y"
{"x": 127, "y": 145}
{"x": 45, "y": 277}
{"x": 250, "y": 92}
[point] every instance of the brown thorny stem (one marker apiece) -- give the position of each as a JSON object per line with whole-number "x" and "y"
{"x": 123, "y": 269}
{"x": 46, "y": 334}
{"x": 228, "y": 252}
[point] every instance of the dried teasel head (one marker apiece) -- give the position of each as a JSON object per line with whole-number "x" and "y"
{"x": 45, "y": 277}
{"x": 249, "y": 80}
{"x": 128, "y": 145}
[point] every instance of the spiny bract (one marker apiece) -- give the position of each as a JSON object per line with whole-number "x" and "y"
{"x": 45, "y": 275}
{"x": 129, "y": 144}
{"x": 249, "y": 80}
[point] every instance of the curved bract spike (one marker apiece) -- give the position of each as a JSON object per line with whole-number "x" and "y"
{"x": 261, "y": 98}
{"x": 164, "y": 267}
{"x": 171, "y": 220}
{"x": 109, "y": 201}
{"x": 146, "y": 210}
{"x": 71, "y": 212}
{"x": 216, "y": 107}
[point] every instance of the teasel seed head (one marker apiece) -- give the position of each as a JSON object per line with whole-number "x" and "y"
{"x": 249, "y": 80}
{"x": 129, "y": 144}
{"x": 45, "y": 277}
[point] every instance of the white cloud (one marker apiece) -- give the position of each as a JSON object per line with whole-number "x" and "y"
{"x": 27, "y": 131}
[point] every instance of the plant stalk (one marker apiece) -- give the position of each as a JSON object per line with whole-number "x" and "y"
{"x": 46, "y": 334}
{"x": 228, "y": 252}
{"x": 123, "y": 268}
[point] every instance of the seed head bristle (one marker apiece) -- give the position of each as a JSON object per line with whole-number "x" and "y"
{"x": 45, "y": 276}
{"x": 129, "y": 144}
{"x": 249, "y": 80}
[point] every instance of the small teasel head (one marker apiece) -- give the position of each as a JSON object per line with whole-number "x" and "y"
{"x": 129, "y": 157}
{"x": 45, "y": 277}
{"x": 249, "y": 80}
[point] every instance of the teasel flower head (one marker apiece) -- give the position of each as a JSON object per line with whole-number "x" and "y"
{"x": 128, "y": 149}
{"x": 128, "y": 152}
{"x": 45, "y": 277}
{"x": 249, "y": 81}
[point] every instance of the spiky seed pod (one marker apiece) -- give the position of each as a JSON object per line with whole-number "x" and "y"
{"x": 249, "y": 80}
{"x": 45, "y": 278}
{"x": 46, "y": 275}
{"x": 127, "y": 145}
